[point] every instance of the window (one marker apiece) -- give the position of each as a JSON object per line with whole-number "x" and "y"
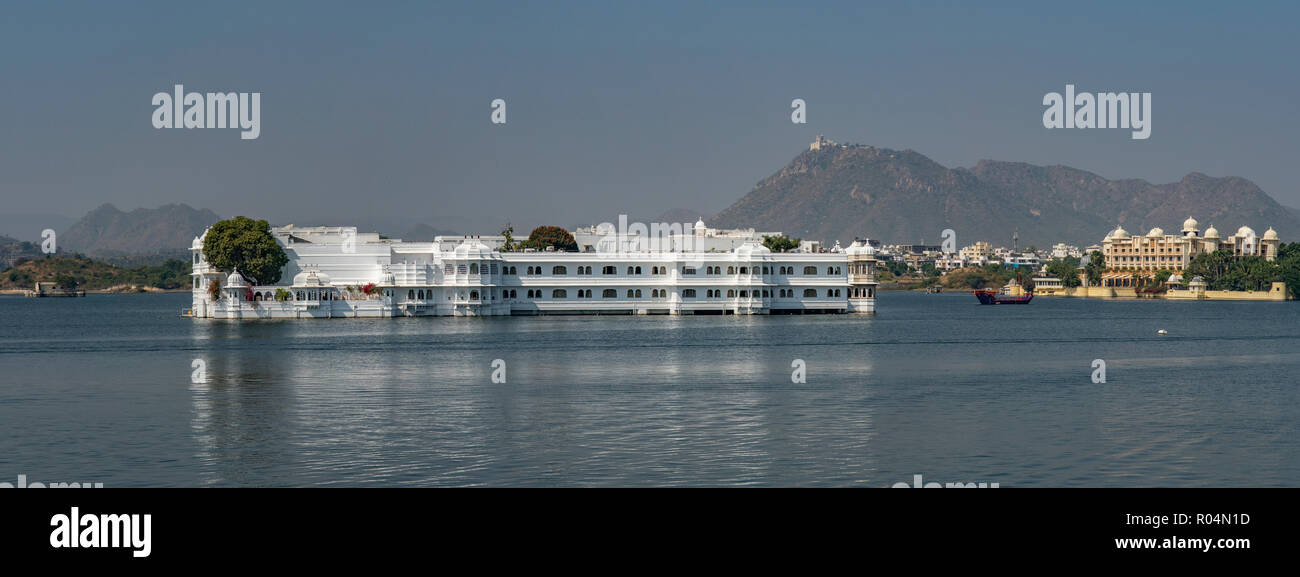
{"x": 588, "y": 295}
{"x": 688, "y": 270}
{"x": 559, "y": 294}
{"x": 731, "y": 293}
{"x": 731, "y": 270}
{"x": 810, "y": 270}
{"x": 473, "y": 268}
{"x": 708, "y": 293}
{"x": 744, "y": 270}
{"x": 579, "y": 270}
{"x": 448, "y": 270}
{"x": 688, "y": 294}
{"x": 610, "y": 270}
{"x": 559, "y": 270}
{"x": 588, "y": 270}
{"x": 638, "y": 293}
{"x": 410, "y": 295}
{"x": 473, "y": 295}
{"x": 609, "y": 294}
{"x": 810, "y": 293}
{"x": 744, "y": 294}
{"x": 629, "y": 293}
{"x": 638, "y": 270}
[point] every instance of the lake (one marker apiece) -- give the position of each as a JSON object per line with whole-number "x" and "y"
{"x": 120, "y": 389}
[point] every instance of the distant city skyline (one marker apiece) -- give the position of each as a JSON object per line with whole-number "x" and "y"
{"x": 381, "y": 114}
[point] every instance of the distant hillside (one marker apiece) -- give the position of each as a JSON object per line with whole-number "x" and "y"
{"x": 843, "y": 192}
{"x": 164, "y": 232}
{"x": 94, "y": 275}
{"x": 12, "y": 250}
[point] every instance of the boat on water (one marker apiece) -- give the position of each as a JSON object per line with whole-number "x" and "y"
{"x": 1002, "y": 297}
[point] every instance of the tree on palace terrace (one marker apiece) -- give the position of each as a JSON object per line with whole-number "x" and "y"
{"x": 544, "y": 236}
{"x": 246, "y": 245}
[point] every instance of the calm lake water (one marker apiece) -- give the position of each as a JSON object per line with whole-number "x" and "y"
{"x": 100, "y": 389}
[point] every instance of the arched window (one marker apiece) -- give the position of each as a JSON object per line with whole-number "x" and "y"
{"x": 638, "y": 270}
{"x": 559, "y": 294}
{"x": 579, "y": 270}
{"x": 629, "y": 293}
{"x": 810, "y": 293}
{"x": 559, "y": 270}
{"x": 473, "y": 295}
{"x": 654, "y": 293}
{"x": 530, "y": 293}
{"x": 461, "y": 269}
{"x": 744, "y": 270}
{"x": 513, "y": 293}
{"x": 708, "y": 293}
{"x": 638, "y": 293}
{"x": 609, "y": 294}
{"x": 588, "y": 293}
{"x": 731, "y": 293}
{"x": 448, "y": 270}
{"x": 588, "y": 270}
{"x": 744, "y": 294}
{"x": 688, "y": 270}
{"x": 688, "y": 294}
{"x": 410, "y": 295}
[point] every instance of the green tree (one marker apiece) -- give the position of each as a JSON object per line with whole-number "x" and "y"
{"x": 509, "y": 233}
{"x": 546, "y": 236}
{"x": 65, "y": 281}
{"x": 780, "y": 243}
{"x": 1095, "y": 267}
{"x": 1066, "y": 269}
{"x": 247, "y": 245}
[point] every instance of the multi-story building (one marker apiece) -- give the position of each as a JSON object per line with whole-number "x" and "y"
{"x": 1134, "y": 260}
{"x": 337, "y": 272}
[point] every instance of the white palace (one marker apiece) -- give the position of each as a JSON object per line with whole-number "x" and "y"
{"x": 330, "y": 269}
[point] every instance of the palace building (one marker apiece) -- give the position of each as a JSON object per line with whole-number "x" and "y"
{"x": 338, "y": 272}
{"x": 1134, "y": 260}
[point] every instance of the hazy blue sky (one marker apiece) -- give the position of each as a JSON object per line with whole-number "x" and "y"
{"x": 379, "y": 112}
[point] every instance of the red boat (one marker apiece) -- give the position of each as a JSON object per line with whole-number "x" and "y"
{"x": 991, "y": 297}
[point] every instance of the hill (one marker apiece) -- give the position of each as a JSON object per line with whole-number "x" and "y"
{"x": 161, "y": 233}
{"x": 94, "y": 275}
{"x": 843, "y": 192}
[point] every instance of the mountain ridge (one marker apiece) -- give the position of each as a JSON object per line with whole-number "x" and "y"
{"x": 902, "y": 196}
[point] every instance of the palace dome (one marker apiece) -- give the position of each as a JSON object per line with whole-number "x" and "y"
{"x": 752, "y": 248}
{"x": 1119, "y": 232}
{"x": 1211, "y": 232}
{"x": 1245, "y": 231}
{"x": 860, "y": 248}
{"x": 311, "y": 278}
{"x": 1157, "y": 231}
{"x": 236, "y": 280}
{"x": 1270, "y": 234}
{"x": 1189, "y": 224}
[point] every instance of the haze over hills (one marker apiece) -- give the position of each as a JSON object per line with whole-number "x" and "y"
{"x": 845, "y": 191}
{"x": 107, "y": 232}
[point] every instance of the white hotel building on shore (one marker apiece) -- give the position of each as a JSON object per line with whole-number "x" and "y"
{"x": 465, "y": 276}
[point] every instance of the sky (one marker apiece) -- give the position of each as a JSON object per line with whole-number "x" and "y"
{"x": 380, "y": 113}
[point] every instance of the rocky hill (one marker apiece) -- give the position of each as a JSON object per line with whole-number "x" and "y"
{"x": 842, "y": 192}
{"x": 107, "y": 232}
